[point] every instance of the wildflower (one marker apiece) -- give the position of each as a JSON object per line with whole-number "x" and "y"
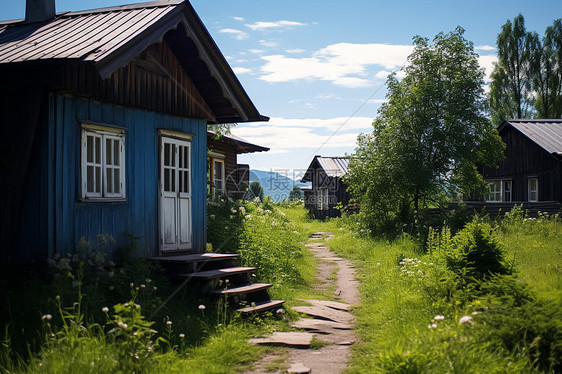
{"x": 142, "y": 286}
{"x": 47, "y": 317}
{"x": 148, "y": 280}
{"x": 280, "y": 311}
{"x": 212, "y": 216}
{"x": 105, "y": 309}
{"x": 201, "y": 307}
{"x": 122, "y": 324}
{"x": 233, "y": 211}
{"x": 182, "y": 336}
{"x": 432, "y": 326}
{"x": 226, "y": 281}
{"x": 155, "y": 288}
{"x": 438, "y": 318}
{"x": 169, "y": 323}
{"x": 132, "y": 285}
{"x": 466, "y": 319}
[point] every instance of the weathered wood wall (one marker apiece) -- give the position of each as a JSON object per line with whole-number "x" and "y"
{"x": 54, "y": 217}
{"x": 525, "y": 159}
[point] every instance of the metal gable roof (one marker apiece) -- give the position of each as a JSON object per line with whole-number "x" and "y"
{"x": 332, "y": 166}
{"x": 110, "y": 38}
{"x": 86, "y": 35}
{"x": 546, "y": 133}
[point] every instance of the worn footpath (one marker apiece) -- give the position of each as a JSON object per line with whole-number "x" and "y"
{"x": 328, "y": 326}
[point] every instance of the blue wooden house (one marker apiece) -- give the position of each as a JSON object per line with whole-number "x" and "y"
{"x": 104, "y": 117}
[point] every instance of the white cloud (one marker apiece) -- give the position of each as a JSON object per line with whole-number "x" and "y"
{"x": 487, "y": 62}
{"x": 344, "y": 64}
{"x": 256, "y": 51}
{"x": 330, "y": 124}
{"x": 484, "y": 48}
{"x": 296, "y": 50}
{"x": 278, "y": 25}
{"x": 239, "y": 18}
{"x": 240, "y": 35}
{"x": 240, "y": 70}
{"x": 266, "y": 43}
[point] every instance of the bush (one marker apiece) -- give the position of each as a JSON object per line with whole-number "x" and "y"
{"x": 475, "y": 252}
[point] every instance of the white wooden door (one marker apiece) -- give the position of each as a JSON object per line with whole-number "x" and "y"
{"x": 175, "y": 194}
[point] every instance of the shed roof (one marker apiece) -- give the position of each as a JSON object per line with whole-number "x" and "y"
{"x": 242, "y": 146}
{"x": 110, "y": 38}
{"x": 332, "y": 166}
{"x": 546, "y": 133}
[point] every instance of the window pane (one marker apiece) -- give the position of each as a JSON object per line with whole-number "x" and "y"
{"x": 186, "y": 181}
{"x": 109, "y": 175}
{"x": 108, "y": 149}
{"x": 98, "y": 179}
{"x": 90, "y": 149}
{"x": 173, "y": 182}
{"x": 166, "y": 179}
{"x": 90, "y": 179}
{"x": 116, "y": 153}
{"x": 117, "y": 180}
{"x": 97, "y": 151}
{"x": 167, "y": 154}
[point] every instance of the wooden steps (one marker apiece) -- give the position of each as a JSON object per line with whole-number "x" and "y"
{"x": 217, "y": 274}
{"x": 247, "y": 288}
{"x": 261, "y": 306}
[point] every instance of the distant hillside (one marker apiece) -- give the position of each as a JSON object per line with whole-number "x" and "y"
{"x": 276, "y": 185}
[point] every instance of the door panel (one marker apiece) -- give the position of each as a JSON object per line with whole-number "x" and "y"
{"x": 175, "y": 194}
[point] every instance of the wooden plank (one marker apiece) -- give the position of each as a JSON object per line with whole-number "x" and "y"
{"x": 210, "y": 274}
{"x": 262, "y": 306}
{"x": 196, "y": 257}
{"x": 292, "y": 339}
{"x": 248, "y": 288}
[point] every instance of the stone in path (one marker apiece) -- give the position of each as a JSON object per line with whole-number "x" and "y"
{"x": 291, "y": 339}
{"x": 325, "y": 313}
{"x": 298, "y": 369}
{"x": 320, "y": 326}
{"x": 328, "y": 303}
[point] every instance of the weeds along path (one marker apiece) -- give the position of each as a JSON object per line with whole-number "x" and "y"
{"x": 325, "y": 346}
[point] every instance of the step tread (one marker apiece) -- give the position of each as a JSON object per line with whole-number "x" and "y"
{"x": 261, "y": 306}
{"x": 247, "y": 288}
{"x": 195, "y": 257}
{"x": 217, "y": 273}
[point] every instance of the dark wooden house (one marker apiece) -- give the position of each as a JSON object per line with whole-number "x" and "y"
{"x": 104, "y": 116}
{"x": 226, "y": 175}
{"x": 327, "y": 189}
{"x": 532, "y": 169}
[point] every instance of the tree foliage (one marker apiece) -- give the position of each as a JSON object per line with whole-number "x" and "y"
{"x": 527, "y": 78}
{"x": 296, "y": 193}
{"x": 255, "y": 190}
{"x": 429, "y": 136}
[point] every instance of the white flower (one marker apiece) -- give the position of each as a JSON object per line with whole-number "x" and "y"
{"x": 466, "y": 319}
{"x": 122, "y": 324}
{"x": 169, "y": 323}
{"x": 182, "y": 336}
{"x": 201, "y": 307}
{"x": 438, "y": 318}
{"x": 233, "y": 210}
{"x": 280, "y": 311}
{"x": 105, "y": 309}
{"x": 432, "y": 326}
{"x": 48, "y": 317}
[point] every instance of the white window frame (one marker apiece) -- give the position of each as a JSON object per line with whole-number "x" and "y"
{"x": 222, "y": 180}
{"x": 534, "y": 191}
{"x": 494, "y": 194}
{"x": 104, "y": 163}
{"x": 322, "y": 199}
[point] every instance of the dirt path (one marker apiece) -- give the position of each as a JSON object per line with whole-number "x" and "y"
{"x": 332, "y": 325}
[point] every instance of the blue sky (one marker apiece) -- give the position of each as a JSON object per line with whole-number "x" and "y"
{"x": 318, "y": 68}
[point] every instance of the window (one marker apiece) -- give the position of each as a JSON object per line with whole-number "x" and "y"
{"x": 494, "y": 191}
{"x": 506, "y": 190}
{"x": 218, "y": 175}
{"x": 103, "y": 163}
{"x": 322, "y": 199}
{"x": 533, "y": 189}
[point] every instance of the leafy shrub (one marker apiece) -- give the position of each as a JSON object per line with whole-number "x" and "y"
{"x": 475, "y": 252}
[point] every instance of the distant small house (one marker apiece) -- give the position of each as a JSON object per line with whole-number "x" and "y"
{"x": 532, "y": 169}
{"x": 104, "y": 117}
{"x": 327, "y": 189}
{"x": 226, "y": 175}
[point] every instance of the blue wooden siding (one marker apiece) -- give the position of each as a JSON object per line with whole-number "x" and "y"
{"x": 73, "y": 219}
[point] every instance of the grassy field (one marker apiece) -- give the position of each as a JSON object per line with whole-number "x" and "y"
{"x": 420, "y": 312}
